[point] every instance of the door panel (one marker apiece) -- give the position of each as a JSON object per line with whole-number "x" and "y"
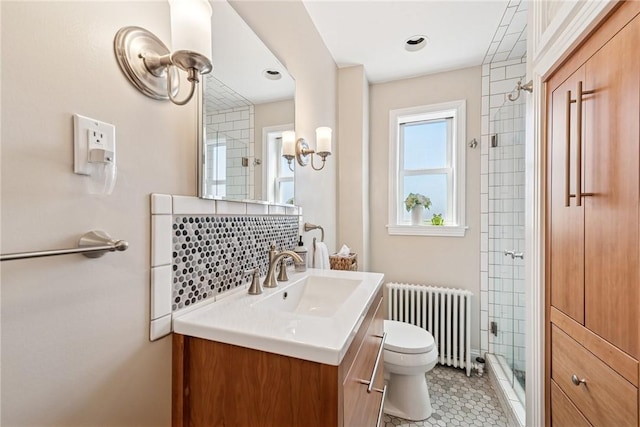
{"x": 567, "y": 223}
{"x": 611, "y": 174}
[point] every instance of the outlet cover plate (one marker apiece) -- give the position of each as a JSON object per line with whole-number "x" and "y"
{"x": 89, "y": 134}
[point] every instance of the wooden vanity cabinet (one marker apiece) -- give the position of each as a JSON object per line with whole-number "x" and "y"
{"x": 218, "y": 384}
{"x": 593, "y": 228}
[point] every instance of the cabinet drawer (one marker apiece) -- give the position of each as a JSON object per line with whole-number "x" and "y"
{"x": 605, "y": 398}
{"x": 361, "y": 407}
{"x": 563, "y": 412}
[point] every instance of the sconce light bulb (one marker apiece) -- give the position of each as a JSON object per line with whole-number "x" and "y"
{"x": 289, "y": 143}
{"x": 323, "y": 140}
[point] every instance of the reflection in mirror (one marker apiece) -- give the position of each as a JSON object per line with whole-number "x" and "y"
{"x": 247, "y": 102}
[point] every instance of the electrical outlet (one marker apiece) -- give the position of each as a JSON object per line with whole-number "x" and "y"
{"x": 96, "y": 137}
{"x": 90, "y": 134}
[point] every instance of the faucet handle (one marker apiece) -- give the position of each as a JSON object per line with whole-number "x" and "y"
{"x": 256, "y": 287}
{"x": 282, "y": 276}
{"x": 272, "y": 251}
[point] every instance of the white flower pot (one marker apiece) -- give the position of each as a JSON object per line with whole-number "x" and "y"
{"x": 417, "y": 213}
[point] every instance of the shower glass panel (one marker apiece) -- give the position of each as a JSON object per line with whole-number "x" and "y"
{"x": 506, "y": 242}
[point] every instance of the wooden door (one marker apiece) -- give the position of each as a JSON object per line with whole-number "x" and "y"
{"x": 611, "y": 158}
{"x": 566, "y": 223}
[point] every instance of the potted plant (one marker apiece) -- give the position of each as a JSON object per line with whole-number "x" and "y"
{"x": 416, "y": 204}
{"x": 437, "y": 219}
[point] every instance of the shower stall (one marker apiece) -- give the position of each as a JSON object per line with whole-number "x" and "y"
{"x": 506, "y": 249}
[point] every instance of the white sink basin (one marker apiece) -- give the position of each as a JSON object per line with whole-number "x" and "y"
{"x": 311, "y": 296}
{"x": 313, "y": 316}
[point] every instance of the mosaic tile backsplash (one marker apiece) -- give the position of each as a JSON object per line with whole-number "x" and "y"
{"x": 211, "y": 252}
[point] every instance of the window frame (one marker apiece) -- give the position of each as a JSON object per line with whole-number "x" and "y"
{"x": 457, "y": 151}
{"x": 272, "y": 177}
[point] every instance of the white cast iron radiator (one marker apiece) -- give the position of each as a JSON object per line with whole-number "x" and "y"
{"x": 444, "y": 312}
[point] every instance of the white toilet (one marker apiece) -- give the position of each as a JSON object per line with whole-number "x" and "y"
{"x": 409, "y": 353}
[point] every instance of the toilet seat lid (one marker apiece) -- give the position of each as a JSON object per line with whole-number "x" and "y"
{"x": 407, "y": 338}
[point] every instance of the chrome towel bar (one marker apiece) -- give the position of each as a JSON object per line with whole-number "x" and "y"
{"x": 92, "y": 244}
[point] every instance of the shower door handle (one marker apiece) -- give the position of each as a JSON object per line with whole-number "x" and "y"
{"x": 514, "y": 254}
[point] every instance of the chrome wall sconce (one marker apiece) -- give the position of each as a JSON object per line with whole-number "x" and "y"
{"x": 151, "y": 67}
{"x": 299, "y": 149}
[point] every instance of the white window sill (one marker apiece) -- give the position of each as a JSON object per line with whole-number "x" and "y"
{"x": 427, "y": 230}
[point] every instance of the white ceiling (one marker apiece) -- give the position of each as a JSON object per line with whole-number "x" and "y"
{"x": 461, "y": 34}
{"x": 373, "y": 33}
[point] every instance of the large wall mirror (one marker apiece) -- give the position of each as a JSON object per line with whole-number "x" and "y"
{"x": 247, "y": 101}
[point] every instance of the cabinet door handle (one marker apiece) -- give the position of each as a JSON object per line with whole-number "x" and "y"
{"x": 577, "y": 381}
{"x": 381, "y": 410}
{"x": 567, "y": 165}
{"x": 369, "y": 383}
{"x": 579, "y": 193}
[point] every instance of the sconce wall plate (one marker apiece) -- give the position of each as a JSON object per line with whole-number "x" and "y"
{"x": 302, "y": 152}
{"x": 131, "y": 45}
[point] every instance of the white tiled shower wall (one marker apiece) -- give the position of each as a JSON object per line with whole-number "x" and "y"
{"x": 502, "y": 204}
{"x": 235, "y": 128}
{"x": 230, "y": 117}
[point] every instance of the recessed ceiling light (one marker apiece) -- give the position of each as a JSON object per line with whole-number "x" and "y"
{"x": 272, "y": 74}
{"x": 416, "y": 43}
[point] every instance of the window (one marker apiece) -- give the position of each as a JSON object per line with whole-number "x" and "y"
{"x": 278, "y": 178}
{"x": 215, "y": 174}
{"x": 427, "y": 156}
{"x": 283, "y": 177}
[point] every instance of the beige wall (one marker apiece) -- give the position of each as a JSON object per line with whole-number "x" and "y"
{"x": 353, "y": 165}
{"x": 286, "y": 28}
{"x": 445, "y": 261}
{"x": 75, "y": 349}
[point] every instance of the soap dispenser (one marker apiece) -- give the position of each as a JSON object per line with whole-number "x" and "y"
{"x": 302, "y": 252}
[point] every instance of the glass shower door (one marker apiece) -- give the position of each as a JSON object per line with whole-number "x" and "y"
{"x": 506, "y": 242}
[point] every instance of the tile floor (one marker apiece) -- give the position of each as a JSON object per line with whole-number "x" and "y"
{"x": 458, "y": 400}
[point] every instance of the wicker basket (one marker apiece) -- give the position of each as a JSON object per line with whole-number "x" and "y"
{"x": 344, "y": 263}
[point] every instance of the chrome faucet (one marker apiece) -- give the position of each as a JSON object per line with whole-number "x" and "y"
{"x": 274, "y": 257}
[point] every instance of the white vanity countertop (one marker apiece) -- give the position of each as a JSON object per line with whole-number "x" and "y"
{"x": 239, "y": 319}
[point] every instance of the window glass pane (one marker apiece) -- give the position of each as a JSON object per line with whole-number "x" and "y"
{"x": 425, "y": 144}
{"x": 285, "y": 172}
{"x": 286, "y": 192}
{"x": 216, "y": 162}
{"x": 434, "y": 187}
